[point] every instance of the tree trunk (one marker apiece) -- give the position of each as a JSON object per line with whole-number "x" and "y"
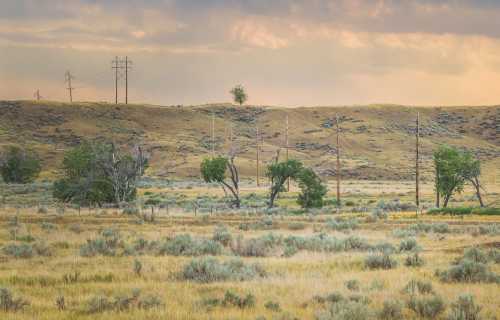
{"x": 438, "y": 198}
{"x": 477, "y": 185}
{"x": 446, "y": 199}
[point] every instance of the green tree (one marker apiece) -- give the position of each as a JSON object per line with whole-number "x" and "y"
{"x": 239, "y": 94}
{"x": 19, "y": 165}
{"x": 97, "y": 173}
{"x": 449, "y": 165}
{"x": 312, "y": 189}
{"x": 214, "y": 170}
{"x": 84, "y": 182}
{"x": 279, "y": 173}
{"x": 471, "y": 171}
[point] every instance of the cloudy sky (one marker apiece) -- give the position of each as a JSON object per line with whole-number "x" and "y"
{"x": 285, "y": 52}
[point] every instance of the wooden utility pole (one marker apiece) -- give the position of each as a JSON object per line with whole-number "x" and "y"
{"x": 417, "y": 173}
{"x": 338, "y": 161}
{"x": 37, "y": 95}
{"x": 116, "y": 65}
{"x": 258, "y": 151}
{"x": 68, "y": 77}
{"x": 128, "y": 65}
{"x": 213, "y": 135}
{"x": 286, "y": 146}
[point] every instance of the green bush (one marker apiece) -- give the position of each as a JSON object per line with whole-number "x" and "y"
{"x": 414, "y": 260}
{"x": 208, "y": 269}
{"x": 465, "y": 309}
{"x": 106, "y": 244}
{"x": 222, "y": 235}
{"x": 414, "y": 287}
{"x": 409, "y": 244}
{"x": 273, "y": 306}
{"x": 233, "y": 299}
{"x": 380, "y": 261}
{"x": 428, "y": 307}
{"x": 345, "y": 310}
{"x": 119, "y": 303}
{"x": 391, "y": 310}
{"x": 25, "y": 251}
{"x": 468, "y": 271}
{"x": 19, "y": 166}
{"x": 352, "y": 285}
{"x": 465, "y": 211}
{"x": 257, "y": 247}
{"x": 341, "y": 224}
{"x": 185, "y": 245}
{"x": 10, "y": 304}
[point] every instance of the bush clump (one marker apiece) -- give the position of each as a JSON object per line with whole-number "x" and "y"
{"x": 414, "y": 287}
{"x": 208, "y": 269}
{"x": 391, "y": 310}
{"x": 468, "y": 271}
{"x": 414, "y": 260}
{"x": 257, "y": 247}
{"x": 345, "y": 310}
{"x": 10, "y": 304}
{"x": 465, "y": 309}
{"x": 409, "y": 244}
{"x": 106, "y": 244}
{"x": 185, "y": 245}
{"x": 222, "y": 235}
{"x": 99, "y": 304}
{"x": 338, "y": 224}
{"x": 26, "y": 251}
{"x": 428, "y": 307}
{"x": 380, "y": 261}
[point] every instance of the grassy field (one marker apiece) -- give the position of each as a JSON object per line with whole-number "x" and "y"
{"x": 92, "y": 259}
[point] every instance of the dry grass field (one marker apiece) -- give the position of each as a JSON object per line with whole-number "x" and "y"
{"x": 307, "y": 264}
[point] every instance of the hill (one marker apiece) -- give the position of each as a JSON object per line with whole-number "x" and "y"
{"x": 377, "y": 140}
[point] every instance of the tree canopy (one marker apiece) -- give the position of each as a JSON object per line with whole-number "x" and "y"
{"x": 214, "y": 170}
{"x": 279, "y": 173}
{"x": 312, "y": 189}
{"x": 19, "y": 165}
{"x": 239, "y": 94}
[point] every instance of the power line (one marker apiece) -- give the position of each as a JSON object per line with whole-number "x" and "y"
{"x": 68, "y": 77}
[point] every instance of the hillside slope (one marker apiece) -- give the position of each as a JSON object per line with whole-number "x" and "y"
{"x": 377, "y": 141}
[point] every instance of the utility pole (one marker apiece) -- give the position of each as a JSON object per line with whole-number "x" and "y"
{"x": 286, "y": 146}
{"x": 258, "y": 151}
{"x": 338, "y": 162}
{"x": 128, "y": 65}
{"x": 213, "y": 135}
{"x": 37, "y": 95}
{"x": 68, "y": 77}
{"x": 417, "y": 173}
{"x": 116, "y": 65}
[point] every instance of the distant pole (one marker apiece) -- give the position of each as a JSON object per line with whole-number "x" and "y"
{"x": 213, "y": 135}
{"x": 417, "y": 160}
{"x": 68, "y": 78}
{"x": 116, "y": 66}
{"x": 286, "y": 146}
{"x": 128, "y": 65}
{"x": 257, "y": 149}
{"x": 338, "y": 162}
{"x": 37, "y": 94}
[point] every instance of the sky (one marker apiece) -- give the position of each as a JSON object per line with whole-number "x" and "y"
{"x": 284, "y": 52}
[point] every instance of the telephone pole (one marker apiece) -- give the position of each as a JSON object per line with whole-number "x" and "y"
{"x": 417, "y": 160}
{"x": 115, "y": 64}
{"x": 286, "y": 146}
{"x": 258, "y": 151}
{"x": 68, "y": 77}
{"x": 213, "y": 135}
{"x": 338, "y": 162}
{"x": 128, "y": 65}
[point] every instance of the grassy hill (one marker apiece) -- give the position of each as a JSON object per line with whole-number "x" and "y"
{"x": 377, "y": 140}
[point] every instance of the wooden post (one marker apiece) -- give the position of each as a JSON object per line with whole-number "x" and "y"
{"x": 338, "y": 162}
{"x": 213, "y": 135}
{"x": 258, "y": 151}
{"x": 286, "y": 146}
{"x": 417, "y": 173}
